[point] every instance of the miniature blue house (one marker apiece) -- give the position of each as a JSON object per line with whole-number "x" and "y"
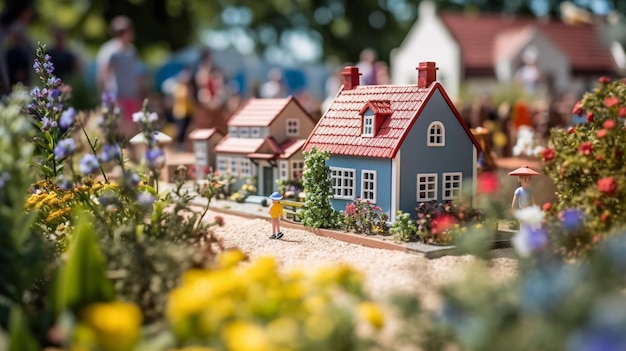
{"x": 396, "y": 145}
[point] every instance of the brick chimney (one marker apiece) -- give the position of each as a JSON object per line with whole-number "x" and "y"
{"x": 426, "y": 74}
{"x": 351, "y": 77}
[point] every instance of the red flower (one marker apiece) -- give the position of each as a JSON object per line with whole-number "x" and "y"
{"x": 441, "y": 224}
{"x": 590, "y": 117}
{"x": 548, "y": 154}
{"x": 487, "y": 183}
{"x": 604, "y": 80}
{"x": 611, "y": 101}
{"x": 607, "y": 185}
{"x": 586, "y": 148}
{"x": 601, "y": 133}
{"x": 598, "y": 203}
{"x": 578, "y": 110}
{"x": 604, "y": 217}
{"x": 571, "y": 130}
{"x": 599, "y": 157}
{"x": 546, "y": 206}
{"x": 608, "y": 124}
{"x": 622, "y": 112}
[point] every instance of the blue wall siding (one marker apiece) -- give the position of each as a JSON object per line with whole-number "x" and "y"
{"x": 416, "y": 157}
{"x": 383, "y": 178}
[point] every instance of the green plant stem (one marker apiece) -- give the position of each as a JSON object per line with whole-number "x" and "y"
{"x": 93, "y": 149}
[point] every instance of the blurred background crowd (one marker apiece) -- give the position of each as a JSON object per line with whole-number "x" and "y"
{"x": 197, "y": 61}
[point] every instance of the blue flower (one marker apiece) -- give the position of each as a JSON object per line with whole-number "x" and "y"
{"x": 88, "y": 164}
{"x": 110, "y": 153}
{"x": 572, "y": 219}
{"x": 49, "y": 67}
{"x": 67, "y": 118}
{"x": 131, "y": 179}
{"x": 544, "y": 288}
{"x": 598, "y": 338}
{"x": 64, "y": 148}
{"x": 47, "y": 124}
{"x": 37, "y": 66}
{"x": 65, "y": 183}
{"x": 145, "y": 200}
{"x": 155, "y": 157}
{"x": 530, "y": 239}
{"x": 54, "y": 93}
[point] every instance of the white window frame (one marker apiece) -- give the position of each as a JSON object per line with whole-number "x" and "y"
{"x": 439, "y": 139}
{"x": 234, "y": 166}
{"x": 430, "y": 182}
{"x": 343, "y": 182}
{"x": 368, "y": 185}
{"x": 368, "y": 124}
{"x": 454, "y": 186}
{"x": 232, "y": 131}
{"x": 292, "y": 127}
{"x": 246, "y": 167}
{"x": 222, "y": 164}
{"x": 283, "y": 170}
{"x": 255, "y": 132}
{"x": 244, "y": 132}
{"x": 297, "y": 166}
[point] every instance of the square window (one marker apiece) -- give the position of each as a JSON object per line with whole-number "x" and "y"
{"x": 426, "y": 187}
{"x": 293, "y": 127}
{"x": 452, "y": 185}
{"x": 342, "y": 180}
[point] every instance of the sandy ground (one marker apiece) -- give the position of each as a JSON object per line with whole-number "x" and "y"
{"x": 386, "y": 271}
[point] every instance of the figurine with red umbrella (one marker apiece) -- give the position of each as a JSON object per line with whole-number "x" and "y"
{"x": 522, "y": 197}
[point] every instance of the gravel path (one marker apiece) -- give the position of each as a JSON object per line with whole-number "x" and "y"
{"x": 386, "y": 271}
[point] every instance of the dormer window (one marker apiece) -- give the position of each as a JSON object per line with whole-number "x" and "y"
{"x": 436, "y": 134}
{"x": 368, "y": 124}
{"x": 373, "y": 116}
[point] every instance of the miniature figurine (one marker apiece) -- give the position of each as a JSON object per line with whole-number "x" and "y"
{"x": 523, "y": 196}
{"x": 276, "y": 214}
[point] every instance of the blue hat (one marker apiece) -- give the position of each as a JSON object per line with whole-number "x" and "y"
{"x": 276, "y": 196}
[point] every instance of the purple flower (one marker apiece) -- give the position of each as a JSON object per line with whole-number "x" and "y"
{"x": 572, "y": 219}
{"x": 37, "y": 66}
{"x": 110, "y": 153}
{"x": 131, "y": 179}
{"x": 54, "y": 93}
{"x": 67, "y": 118}
{"x": 49, "y": 67}
{"x": 88, "y": 164}
{"x": 530, "y": 239}
{"x": 145, "y": 200}
{"x": 108, "y": 98}
{"x": 64, "y": 148}
{"x": 155, "y": 157}
{"x": 35, "y": 92}
{"x": 598, "y": 338}
{"x": 54, "y": 81}
{"x": 47, "y": 124}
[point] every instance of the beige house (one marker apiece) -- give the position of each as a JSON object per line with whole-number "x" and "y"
{"x": 265, "y": 138}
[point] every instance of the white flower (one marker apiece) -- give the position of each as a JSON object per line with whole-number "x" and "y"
{"x": 138, "y": 117}
{"x": 529, "y": 215}
{"x": 153, "y": 117}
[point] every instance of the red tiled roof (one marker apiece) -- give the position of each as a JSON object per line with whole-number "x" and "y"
{"x": 239, "y": 145}
{"x": 260, "y": 112}
{"x": 339, "y": 129}
{"x": 476, "y": 35}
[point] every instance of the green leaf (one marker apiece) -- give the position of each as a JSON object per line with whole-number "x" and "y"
{"x": 82, "y": 279}
{"x": 20, "y": 337}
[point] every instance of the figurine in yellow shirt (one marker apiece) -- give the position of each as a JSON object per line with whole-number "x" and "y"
{"x": 276, "y": 213}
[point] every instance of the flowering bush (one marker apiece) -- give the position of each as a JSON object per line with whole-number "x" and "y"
{"x": 438, "y": 222}
{"x": 364, "y": 217}
{"x": 404, "y": 227}
{"x": 317, "y": 211}
{"x": 586, "y": 163}
{"x": 247, "y": 189}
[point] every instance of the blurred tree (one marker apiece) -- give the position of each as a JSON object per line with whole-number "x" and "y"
{"x": 333, "y": 29}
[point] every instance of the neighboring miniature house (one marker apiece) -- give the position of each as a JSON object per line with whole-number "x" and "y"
{"x": 482, "y": 50}
{"x": 396, "y": 145}
{"x": 265, "y": 138}
{"x": 204, "y": 142}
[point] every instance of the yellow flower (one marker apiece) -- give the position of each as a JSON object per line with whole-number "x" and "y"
{"x": 284, "y": 333}
{"x": 245, "y": 336}
{"x": 230, "y": 258}
{"x": 370, "y": 312}
{"x": 116, "y": 325}
{"x": 58, "y": 213}
{"x": 194, "y": 348}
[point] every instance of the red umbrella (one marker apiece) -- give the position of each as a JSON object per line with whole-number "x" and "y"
{"x": 524, "y": 171}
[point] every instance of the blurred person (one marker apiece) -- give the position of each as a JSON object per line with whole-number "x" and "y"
{"x": 66, "y": 62}
{"x": 201, "y": 76}
{"x": 367, "y": 59}
{"x": 274, "y": 87}
{"x": 18, "y": 58}
{"x": 118, "y": 71}
{"x": 381, "y": 73}
{"x": 182, "y": 106}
